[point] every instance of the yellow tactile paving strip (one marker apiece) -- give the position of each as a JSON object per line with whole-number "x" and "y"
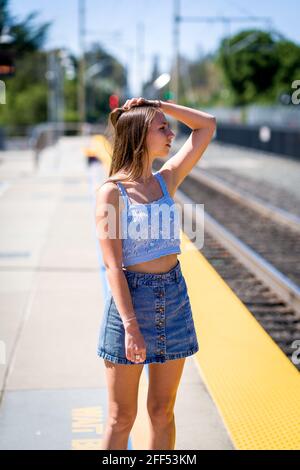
{"x": 253, "y": 384}
{"x": 101, "y": 148}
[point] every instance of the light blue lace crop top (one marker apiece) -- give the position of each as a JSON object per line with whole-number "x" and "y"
{"x": 149, "y": 230}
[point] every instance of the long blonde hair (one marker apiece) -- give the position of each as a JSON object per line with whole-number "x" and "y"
{"x": 129, "y": 140}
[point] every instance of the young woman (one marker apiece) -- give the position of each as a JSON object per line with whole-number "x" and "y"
{"x": 147, "y": 316}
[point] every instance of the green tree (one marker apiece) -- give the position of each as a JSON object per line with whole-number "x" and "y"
{"x": 289, "y": 70}
{"x": 26, "y": 91}
{"x": 250, "y": 63}
{"x": 28, "y": 37}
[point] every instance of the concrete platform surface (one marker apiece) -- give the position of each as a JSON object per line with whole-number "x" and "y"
{"x": 51, "y": 297}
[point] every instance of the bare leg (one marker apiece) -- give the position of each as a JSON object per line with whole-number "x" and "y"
{"x": 122, "y": 382}
{"x": 164, "y": 380}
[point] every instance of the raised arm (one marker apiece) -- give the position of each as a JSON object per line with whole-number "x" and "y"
{"x": 203, "y": 126}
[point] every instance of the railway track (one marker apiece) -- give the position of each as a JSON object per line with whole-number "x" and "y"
{"x": 256, "y": 249}
{"x": 275, "y": 242}
{"x": 260, "y": 188}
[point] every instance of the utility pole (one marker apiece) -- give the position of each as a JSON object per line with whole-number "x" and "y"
{"x": 130, "y": 60}
{"x": 226, "y": 20}
{"x": 140, "y": 36}
{"x": 176, "y": 33}
{"x": 55, "y": 78}
{"x": 60, "y": 91}
{"x": 175, "y": 75}
{"x": 81, "y": 74}
{"x": 51, "y": 77}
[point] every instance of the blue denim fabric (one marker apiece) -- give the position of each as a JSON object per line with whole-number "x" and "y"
{"x": 162, "y": 307}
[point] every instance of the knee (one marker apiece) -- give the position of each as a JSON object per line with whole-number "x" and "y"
{"x": 122, "y": 420}
{"x": 161, "y": 414}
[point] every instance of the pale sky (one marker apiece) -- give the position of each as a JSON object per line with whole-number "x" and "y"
{"x": 115, "y": 24}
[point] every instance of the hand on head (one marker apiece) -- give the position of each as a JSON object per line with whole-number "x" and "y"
{"x": 139, "y": 101}
{"x": 133, "y": 102}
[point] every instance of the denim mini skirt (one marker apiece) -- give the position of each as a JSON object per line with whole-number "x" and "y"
{"x": 162, "y": 307}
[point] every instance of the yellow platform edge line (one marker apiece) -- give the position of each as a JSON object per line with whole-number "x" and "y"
{"x": 255, "y": 387}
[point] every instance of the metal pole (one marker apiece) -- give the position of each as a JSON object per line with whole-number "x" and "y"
{"x": 130, "y": 60}
{"x": 81, "y": 78}
{"x": 61, "y": 101}
{"x": 175, "y": 78}
{"x": 51, "y": 85}
{"x": 140, "y": 57}
{"x": 176, "y": 50}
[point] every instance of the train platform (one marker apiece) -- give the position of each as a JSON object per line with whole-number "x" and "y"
{"x": 247, "y": 374}
{"x": 238, "y": 392}
{"x": 53, "y": 390}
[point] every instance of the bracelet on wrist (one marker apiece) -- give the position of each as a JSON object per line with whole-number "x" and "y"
{"x": 129, "y": 319}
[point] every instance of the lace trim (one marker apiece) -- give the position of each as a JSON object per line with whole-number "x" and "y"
{"x": 143, "y": 235}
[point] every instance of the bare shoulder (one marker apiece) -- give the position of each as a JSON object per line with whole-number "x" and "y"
{"x": 108, "y": 187}
{"x": 167, "y": 175}
{"x": 107, "y": 192}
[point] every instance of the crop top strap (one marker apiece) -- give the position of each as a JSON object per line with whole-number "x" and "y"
{"x": 162, "y": 183}
{"x": 123, "y": 192}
